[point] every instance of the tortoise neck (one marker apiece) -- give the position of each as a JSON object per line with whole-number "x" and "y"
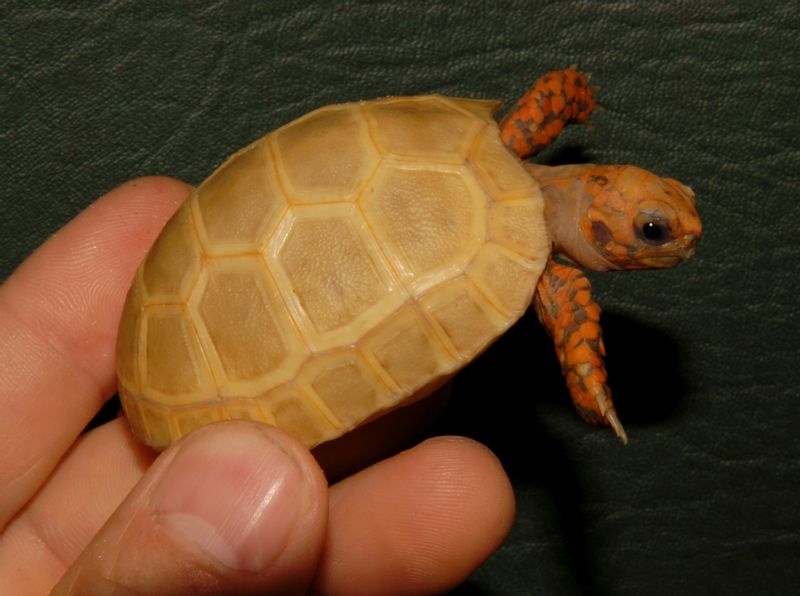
{"x": 566, "y": 206}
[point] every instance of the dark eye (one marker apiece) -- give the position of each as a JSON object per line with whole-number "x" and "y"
{"x": 654, "y": 232}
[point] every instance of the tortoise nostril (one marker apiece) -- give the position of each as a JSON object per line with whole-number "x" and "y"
{"x": 689, "y": 243}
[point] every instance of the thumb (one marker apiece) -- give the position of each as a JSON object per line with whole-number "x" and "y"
{"x": 236, "y": 507}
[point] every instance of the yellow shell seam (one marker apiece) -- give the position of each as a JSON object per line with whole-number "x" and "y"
{"x": 379, "y": 371}
{"x": 204, "y": 258}
{"x": 292, "y": 318}
{"x": 391, "y": 266}
{"x": 143, "y": 372}
{"x": 385, "y": 260}
{"x": 272, "y": 162}
{"x": 194, "y": 215}
{"x": 480, "y": 290}
{"x": 279, "y": 179}
{"x": 353, "y": 109}
{"x": 174, "y": 429}
{"x": 147, "y": 301}
{"x": 491, "y": 198}
{"x": 267, "y": 415}
{"x": 387, "y": 155}
{"x": 444, "y": 342}
{"x": 316, "y": 402}
{"x": 209, "y": 402}
{"x": 453, "y": 103}
{"x": 140, "y": 338}
{"x": 269, "y": 254}
{"x": 523, "y": 261}
{"x": 367, "y": 119}
{"x": 264, "y": 246}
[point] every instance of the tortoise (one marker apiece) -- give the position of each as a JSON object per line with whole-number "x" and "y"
{"x": 356, "y": 258}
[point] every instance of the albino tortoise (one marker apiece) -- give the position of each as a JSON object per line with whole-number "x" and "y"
{"x": 356, "y": 258}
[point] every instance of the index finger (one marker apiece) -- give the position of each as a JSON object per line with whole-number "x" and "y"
{"x": 58, "y": 319}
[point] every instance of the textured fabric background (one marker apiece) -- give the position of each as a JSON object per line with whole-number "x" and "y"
{"x": 703, "y": 359}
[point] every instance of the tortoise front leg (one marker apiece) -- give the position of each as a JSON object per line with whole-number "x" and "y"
{"x": 565, "y": 306}
{"x": 554, "y": 100}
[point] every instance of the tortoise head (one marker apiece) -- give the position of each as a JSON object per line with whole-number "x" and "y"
{"x": 628, "y": 218}
{"x": 637, "y": 220}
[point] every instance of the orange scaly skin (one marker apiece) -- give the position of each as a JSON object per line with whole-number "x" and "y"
{"x": 620, "y": 217}
{"x": 601, "y": 218}
{"x": 563, "y": 299}
{"x": 564, "y": 304}
{"x": 557, "y": 98}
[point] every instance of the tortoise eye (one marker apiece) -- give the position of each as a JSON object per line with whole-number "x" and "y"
{"x": 654, "y": 232}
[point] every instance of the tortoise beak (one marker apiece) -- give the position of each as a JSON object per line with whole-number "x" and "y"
{"x": 688, "y": 244}
{"x": 671, "y": 254}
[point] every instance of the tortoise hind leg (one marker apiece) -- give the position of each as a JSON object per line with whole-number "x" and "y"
{"x": 539, "y": 116}
{"x": 565, "y": 306}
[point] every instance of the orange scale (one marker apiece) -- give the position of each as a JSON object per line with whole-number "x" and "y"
{"x": 555, "y": 84}
{"x": 590, "y": 330}
{"x": 583, "y": 297}
{"x": 537, "y": 113}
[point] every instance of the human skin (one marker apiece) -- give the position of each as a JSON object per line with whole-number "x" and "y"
{"x": 236, "y": 507}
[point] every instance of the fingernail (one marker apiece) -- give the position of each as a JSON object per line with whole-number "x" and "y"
{"x": 236, "y": 495}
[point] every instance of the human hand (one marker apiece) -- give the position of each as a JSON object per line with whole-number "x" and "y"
{"x": 235, "y": 507}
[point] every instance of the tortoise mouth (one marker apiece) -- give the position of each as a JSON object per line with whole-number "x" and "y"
{"x": 662, "y": 262}
{"x": 671, "y": 254}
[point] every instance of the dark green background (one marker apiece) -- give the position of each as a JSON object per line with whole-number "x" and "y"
{"x": 704, "y": 359}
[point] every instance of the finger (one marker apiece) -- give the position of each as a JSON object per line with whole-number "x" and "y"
{"x": 236, "y": 507}
{"x": 419, "y": 522}
{"x": 90, "y": 482}
{"x": 97, "y": 474}
{"x": 58, "y": 318}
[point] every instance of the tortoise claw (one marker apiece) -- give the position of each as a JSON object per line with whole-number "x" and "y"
{"x": 613, "y": 421}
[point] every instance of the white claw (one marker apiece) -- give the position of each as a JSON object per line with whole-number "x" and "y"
{"x": 611, "y": 416}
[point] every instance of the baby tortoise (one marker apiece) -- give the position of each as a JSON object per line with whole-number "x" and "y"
{"x": 356, "y": 258}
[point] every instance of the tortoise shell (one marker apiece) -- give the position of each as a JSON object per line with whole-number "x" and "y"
{"x": 338, "y": 267}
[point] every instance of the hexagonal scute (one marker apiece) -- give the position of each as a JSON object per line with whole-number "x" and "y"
{"x": 347, "y": 385}
{"x": 500, "y": 169}
{"x": 325, "y": 156}
{"x": 174, "y": 369}
{"x": 332, "y": 274}
{"x": 171, "y": 266}
{"x": 426, "y": 127}
{"x": 239, "y": 204}
{"x": 244, "y": 326}
{"x": 430, "y": 220}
